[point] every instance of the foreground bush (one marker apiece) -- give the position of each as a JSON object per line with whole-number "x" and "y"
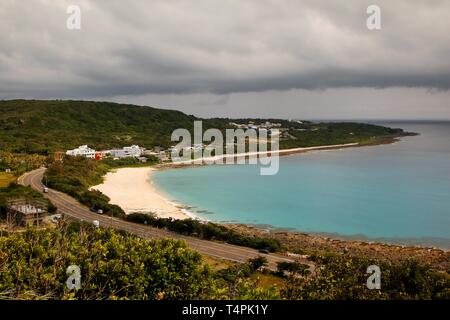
{"x": 343, "y": 277}
{"x": 207, "y": 231}
{"x": 114, "y": 265}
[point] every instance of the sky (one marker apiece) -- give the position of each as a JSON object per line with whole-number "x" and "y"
{"x": 311, "y": 59}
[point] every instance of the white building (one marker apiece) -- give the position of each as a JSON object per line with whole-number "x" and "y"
{"x": 83, "y": 151}
{"x": 125, "y": 152}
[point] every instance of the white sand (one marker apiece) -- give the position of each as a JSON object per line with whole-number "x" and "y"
{"x": 280, "y": 152}
{"x": 133, "y": 191}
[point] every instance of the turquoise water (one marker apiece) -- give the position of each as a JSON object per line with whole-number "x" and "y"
{"x": 397, "y": 193}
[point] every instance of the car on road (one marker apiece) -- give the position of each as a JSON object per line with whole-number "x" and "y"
{"x": 96, "y": 223}
{"x": 265, "y": 251}
{"x": 55, "y": 218}
{"x": 45, "y": 190}
{"x": 95, "y": 210}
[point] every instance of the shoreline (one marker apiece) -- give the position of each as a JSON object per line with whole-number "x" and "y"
{"x": 133, "y": 190}
{"x": 316, "y": 243}
{"x": 285, "y": 152}
{"x": 258, "y": 154}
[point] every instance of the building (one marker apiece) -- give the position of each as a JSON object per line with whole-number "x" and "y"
{"x": 158, "y": 149}
{"x": 142, "y": 159}
{"x": 82, "y": 151}
{"x": 99, "y": 156}
{"x": 125, "y": 152}
{"x": 161, "y": 155}
{"x": 25, "y": 212}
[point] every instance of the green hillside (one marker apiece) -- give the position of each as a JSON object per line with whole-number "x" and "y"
{"x": 43, "y": 126}
{"x": 38, "y": 126}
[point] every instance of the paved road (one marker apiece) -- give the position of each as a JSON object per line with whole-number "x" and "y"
{"x": 72, "y": 208}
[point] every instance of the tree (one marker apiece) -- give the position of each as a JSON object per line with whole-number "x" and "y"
{"x": 257, "y": 263}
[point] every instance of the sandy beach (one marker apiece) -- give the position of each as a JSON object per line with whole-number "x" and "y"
{"x": 280, "y": 152}
{"x": 132, "y": 190}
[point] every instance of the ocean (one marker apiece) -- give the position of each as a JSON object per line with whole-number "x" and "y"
{"x": 397, "y": 193}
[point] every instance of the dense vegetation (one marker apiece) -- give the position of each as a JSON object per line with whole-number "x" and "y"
{"x": 344, "y": 277}
{"x": 34, "y": 126}
{"x": 116, "y": 265}
{"x": 113, "y": 265}
{"x": 37, "y": 126}
{"x": 75, "y": 176}
{"x": 14, "y": 191}
{"x": 19, "y": 163}
{"x": 206, "y": 231}
{"x": 128, "y": 162}
{"x": 6, "y": 178}
{"x": 316, "y": 134}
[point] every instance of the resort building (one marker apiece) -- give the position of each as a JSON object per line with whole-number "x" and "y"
{"x": 252, "y": 125}
{"x": 132, "y": 151}
{"x": 99, "y": 156}
{"x": 160, "y": 155}
{"x": 83, "y": 151}
{"x": 158, "y": 149}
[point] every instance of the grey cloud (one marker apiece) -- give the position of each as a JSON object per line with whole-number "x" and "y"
{"x": 142, "y": 47}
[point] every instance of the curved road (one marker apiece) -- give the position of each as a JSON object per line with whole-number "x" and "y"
{"x": 72, "y": 208}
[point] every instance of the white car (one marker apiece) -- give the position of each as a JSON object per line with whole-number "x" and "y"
{"x": 96, "y": 223}
{"x": 55, "y": 218}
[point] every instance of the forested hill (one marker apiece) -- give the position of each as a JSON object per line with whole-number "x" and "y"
{"x": 43, "y": 126}
{"x": 34, "y": 126}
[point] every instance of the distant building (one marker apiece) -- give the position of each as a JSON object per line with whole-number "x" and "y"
{"x": 25, "y": 212}
{"x": 83, "y": 151}
{"x": 142, "y": 159}
{"x": 99, "y": 156}
{"x": 125, "y": 152}
{"x": 161, "y": 155}
{"x": 238, "y": 126}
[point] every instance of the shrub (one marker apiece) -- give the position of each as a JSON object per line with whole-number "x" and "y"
{"x": 207, "y": 231}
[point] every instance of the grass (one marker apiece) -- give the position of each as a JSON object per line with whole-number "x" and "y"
{"x": 6, "y": 179}
{"x": 217, "y": 264}
{"x": 265, "y": 280}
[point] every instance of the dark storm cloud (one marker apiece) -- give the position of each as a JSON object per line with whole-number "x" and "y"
{"x": 136, "y": 47}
